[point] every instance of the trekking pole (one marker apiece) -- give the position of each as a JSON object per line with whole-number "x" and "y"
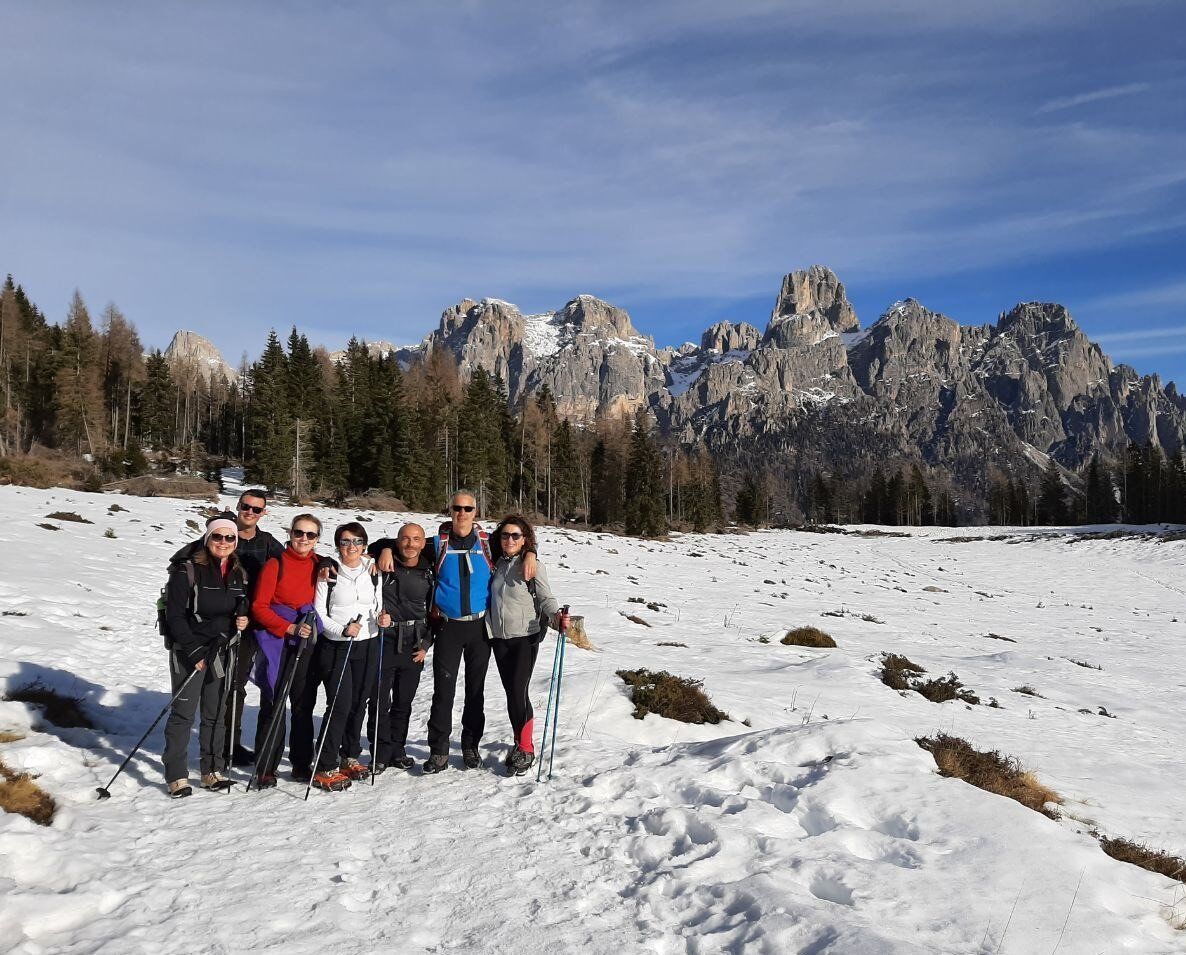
{"x": 105, "y": 791}
{"x": 562, "y": 639}
{"x": 539, "y": 766}
{"x": 378, "y": 699}
{"x": 329, "y": 710}
{"x": 232, "y": 676}
{"x": 280, "y": 700}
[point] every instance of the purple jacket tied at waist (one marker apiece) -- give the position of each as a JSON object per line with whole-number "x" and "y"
{"x": 267, "y": 664}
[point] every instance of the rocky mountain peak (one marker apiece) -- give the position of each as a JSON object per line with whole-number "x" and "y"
{"x": 192, "y": 353}
{"x": 811, "y": 307}
{"x": 591, "y": 315}
{"x": 727, "y": 336}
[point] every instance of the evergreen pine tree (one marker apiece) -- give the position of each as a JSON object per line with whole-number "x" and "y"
{"x": 1052, "y": 507}
{"x": 644, "y": 503}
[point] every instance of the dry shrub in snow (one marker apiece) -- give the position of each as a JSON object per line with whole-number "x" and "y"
{"x": 900, "y": 673}
{"x": 375, "y": 501}
{"x": 989, "y": 771}
{"x": 20, "y": 794}
{"x": 675, "y": 697}
{"x": 68, "y": 516}
{"x": 60, "y": 709}
{"x": 807, "y": 637}
{"x": 1172, "y": 867}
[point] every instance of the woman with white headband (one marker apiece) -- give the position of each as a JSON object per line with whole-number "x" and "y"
{"x": 205, "y": 603}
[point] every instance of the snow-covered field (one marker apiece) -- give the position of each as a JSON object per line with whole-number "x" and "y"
{"x": 818, "y": 827}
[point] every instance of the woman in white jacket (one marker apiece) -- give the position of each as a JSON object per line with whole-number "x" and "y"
{"x": 348, "y": 603}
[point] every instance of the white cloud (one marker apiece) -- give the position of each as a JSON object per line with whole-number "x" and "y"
{"x": 1094, "y": 96}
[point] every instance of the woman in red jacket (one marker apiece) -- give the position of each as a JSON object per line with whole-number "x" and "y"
{"x": 283, "y": 595}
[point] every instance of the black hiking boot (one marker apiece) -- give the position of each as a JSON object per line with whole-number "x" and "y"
{"x": 265, "y": 781}
{"x": 436, "y": 763}
{"x": 378, "y": 769}
{"x": 302, "y": 775}
{"x": 470, "y": 757}
{"x": 520, "y": 762}
{"x": 242, "y": 757}
{"x": 403, "y": 762}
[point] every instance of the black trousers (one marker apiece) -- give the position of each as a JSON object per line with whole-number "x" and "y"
{"x": 515, "y": 659}
{"x": 300, "y": 751}
{"x": 204, "y": 690}
{"x": 353, "y": 663}
{"x": 238, "y": 693}
{"x": 458, "y": 640}
{"x": 392, "y": 708}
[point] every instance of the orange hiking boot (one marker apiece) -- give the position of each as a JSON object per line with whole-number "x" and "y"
{"x": 331, "y": 780}
{"x": 354, "y": 769}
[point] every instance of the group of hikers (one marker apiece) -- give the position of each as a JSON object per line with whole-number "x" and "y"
{"x": 239, "y": 606}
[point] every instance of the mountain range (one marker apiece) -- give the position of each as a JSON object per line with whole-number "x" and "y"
{"x": 814, "y": 387}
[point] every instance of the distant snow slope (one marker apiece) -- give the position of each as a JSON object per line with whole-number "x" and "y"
{"x": 821, "y": 827}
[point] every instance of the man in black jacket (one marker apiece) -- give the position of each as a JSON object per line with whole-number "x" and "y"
{"x": 407, "y": 595}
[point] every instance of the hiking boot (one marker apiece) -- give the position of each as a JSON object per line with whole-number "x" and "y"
{"x": 331, "y": 780}
{"x": 242, "y": 757}
{"x": 265, "y": 781}
{"x": 216, "y": 782}
{"x": 378, "y": 768}
{"x": 179, "y": 789}
{"x": 403, "y": 762}
{"x": 435, "y": 763}
{"x": 470, "y": 757}
{"x": 302, "y": 775}
{"x": 354, "y": 769}
{"x": 520, "y": 761}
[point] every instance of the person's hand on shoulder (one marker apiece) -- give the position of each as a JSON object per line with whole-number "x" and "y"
{"x": 530, "y": 563}
{"x": 386, "y": 561}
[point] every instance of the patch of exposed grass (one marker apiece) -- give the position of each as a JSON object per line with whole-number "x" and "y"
{"x": 633, "y": 619}
{"x": 671, "y": 643}
{"x": 1028, "y": 691}
{"x": 49, "y": 527}
{"x": 109, "y": 533}
{"x": 900, "y": 673}
{"x": 997, "y": 636}
{"x": 989, "y": 771}
{"x": 58, "y": 708}
{"x": 897, "y": 670}
{"x": 1155, "y": 860}
{"x": 20, "y": 794}
{"x": 68, "y": 516}
{"x": 675, "y": 697}
{"x": 14, "y": 613}
{"x": 116, "y": 509}
{"x": 807, "y": 637}
{"x": 1085, "y": 664}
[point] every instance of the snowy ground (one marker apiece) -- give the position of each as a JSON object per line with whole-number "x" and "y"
{"x": 821, "y": 827}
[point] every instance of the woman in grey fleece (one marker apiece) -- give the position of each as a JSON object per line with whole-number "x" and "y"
{"x": 513, "y": 623}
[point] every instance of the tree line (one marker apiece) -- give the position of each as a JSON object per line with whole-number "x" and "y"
{"x": 336, "y": 428}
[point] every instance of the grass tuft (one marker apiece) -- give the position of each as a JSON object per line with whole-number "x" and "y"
{"x": 807, "y": 637}
{"x": 900, "y": 673}
{"x": 19, "y": 794}
{"x": 58, "y": 708}
{"x": 1028, "y": 690}
{"x": 674, "y": 697}
{"x": 68, "y": 516}
{"x": 990, "y": 771}
{"x": 1154, "y": 860}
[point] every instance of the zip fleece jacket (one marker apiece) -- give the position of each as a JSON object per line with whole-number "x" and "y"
{"x": 514, "y": 612}
{"x": 199, "y": 617}
{"x": 356, "y": 593}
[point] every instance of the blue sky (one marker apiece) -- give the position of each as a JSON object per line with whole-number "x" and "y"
{"x": 357, "y": 168}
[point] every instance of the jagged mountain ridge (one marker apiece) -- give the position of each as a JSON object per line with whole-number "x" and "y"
{"x": 815, "y": 385}
{"x": 915, "y": 384}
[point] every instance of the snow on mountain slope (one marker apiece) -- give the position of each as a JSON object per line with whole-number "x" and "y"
{"x": 821, "y": 827}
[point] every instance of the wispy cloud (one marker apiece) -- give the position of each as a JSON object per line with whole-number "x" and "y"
{"x": 1094, "y": 96}
{"x": 1142, "y": 335}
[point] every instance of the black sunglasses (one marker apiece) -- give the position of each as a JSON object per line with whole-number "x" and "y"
{"x": 307, "y": 535}
{"x": 464, "y": 507}
{"x": 510, "y": 535}
{"x": 223, "y": 538}
{"x": 244, "y": 508}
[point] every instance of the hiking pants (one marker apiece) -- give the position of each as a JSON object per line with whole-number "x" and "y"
{"x": 204, "y": 691}
{"x": 458, "y": 640}
{"x": 238, "y": 693}
{"x": 515, "y": 659}
{"x": 351, "y": 662}
{"x": 397, "y": 688}
{"x": 301, "y": 747}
